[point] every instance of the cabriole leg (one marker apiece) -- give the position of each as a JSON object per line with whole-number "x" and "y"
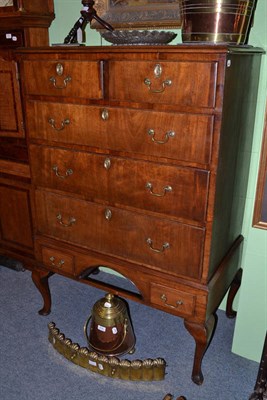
{"x": 202, "y": 335}
{"x": 235, "y": 285}
{"x": 40, "y": 279}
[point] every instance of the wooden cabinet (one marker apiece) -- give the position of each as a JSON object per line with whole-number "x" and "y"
{"x": 25, "y": 22}
{"x": 139, "y": 159}
{"x": 16, "y": 238}
{"x": 15, "y": 216}
{"x": 22, "y": 23}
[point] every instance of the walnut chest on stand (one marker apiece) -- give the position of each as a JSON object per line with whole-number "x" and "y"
{"x": 139, "y": 160}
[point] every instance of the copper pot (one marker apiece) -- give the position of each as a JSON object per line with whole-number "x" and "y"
{"x": 217, "y": 21}
{"x": 111, "y": 331}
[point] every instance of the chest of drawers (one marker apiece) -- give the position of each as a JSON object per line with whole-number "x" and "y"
{"x": 139, "y": 159}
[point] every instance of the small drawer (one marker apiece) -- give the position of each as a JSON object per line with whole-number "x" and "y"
{"x": 172, "y": 299}
{"x": 57, "y": 260}
{"x": 184, "y": 83}
{"x": 80, "y": 79}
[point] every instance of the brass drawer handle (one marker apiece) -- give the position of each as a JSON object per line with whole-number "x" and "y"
{"x": 165, "y": 246}
{"x": 166, "y": 189}
{"x": 165, "y": 301}
{"x": 57, "y": 173}
{"x": 59, "y": 264}
{"x": 164, "y": 84}
{"x": 65, "y": 82}
{"x": 169, "y": 134}
{"x": 71, "y": 221}
{"x": 65, "y": 122}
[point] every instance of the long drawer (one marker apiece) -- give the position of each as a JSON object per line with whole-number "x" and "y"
{"x": 78, "y": 79}
{"x": 174, "y": 191}
{"x": 160, "y": 243}
{"x": 185, "y": 137}
{"x": 181, "y": 83}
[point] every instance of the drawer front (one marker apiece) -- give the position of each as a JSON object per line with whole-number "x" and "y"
{"x": 63, "y": 78}
{"x": 175, "y": 191}
{"x": 57, "y": 260}
{"x": 182, "y": 83}
{"x": 185, "y": 137}
{"x": 157, "y": 242}
{"x": 173, "y": 300}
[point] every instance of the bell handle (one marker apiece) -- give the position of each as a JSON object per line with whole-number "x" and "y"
{"x": 85, "y": 329}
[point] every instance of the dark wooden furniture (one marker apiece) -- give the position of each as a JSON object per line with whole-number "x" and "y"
{"x": 139, "y": 159}
{"x": 22, "y": 23}
{"x": 260, "y": 389}
{"x": 260, "y": 211}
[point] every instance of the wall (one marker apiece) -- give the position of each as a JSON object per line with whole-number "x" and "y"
{"x": 67, "y": 13}
{"x": 251, "y": 322}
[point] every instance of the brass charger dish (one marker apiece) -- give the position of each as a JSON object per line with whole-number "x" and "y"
{"x": 136, "y": 37}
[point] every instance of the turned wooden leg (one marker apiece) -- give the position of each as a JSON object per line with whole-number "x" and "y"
{"x": 235, "y": 285}
{"x": 40, "y": 279}
{"x": 202, "y": 335}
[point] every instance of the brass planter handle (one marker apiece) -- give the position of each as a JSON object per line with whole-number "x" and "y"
{"x": 68, "y": 172}
{"x": 71, "y": 222}
{"x": 65, "y": 122}
{"x": 169, "y": 134}
{"x": 164, "y": 247}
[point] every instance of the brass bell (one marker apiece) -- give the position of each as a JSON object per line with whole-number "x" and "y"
{"x": 111, "y": 331}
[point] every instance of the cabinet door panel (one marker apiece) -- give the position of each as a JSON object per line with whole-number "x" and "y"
{"x": 162, "y": 244}
{"x": 10, "y": 104}
{"x": 15, "y": 216}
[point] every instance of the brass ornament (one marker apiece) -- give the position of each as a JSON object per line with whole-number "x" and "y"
{"x": 110, "y": 366}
